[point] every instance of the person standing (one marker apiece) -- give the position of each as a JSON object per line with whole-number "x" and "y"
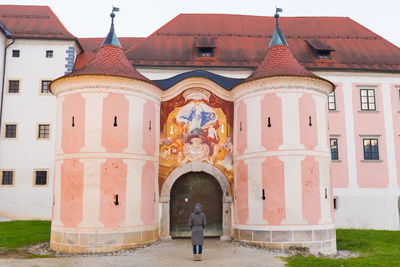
{"x": 197, "y": 222}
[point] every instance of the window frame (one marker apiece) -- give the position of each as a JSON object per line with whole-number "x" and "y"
{"x": 334, "y": 101}
{"x": 41, "y": 87}
{"x": 17, "y": 51}
{"x": 367, "y": 89}
{"x": 48, "y": 52}
{"x": 38, "y": 130}
{"x": 5, "y": 128}
{"x": 9, "y": 84}
{"x": 370, "y": 137}
{"x": 34, "y": 178}
{"x": 337, "y": 147}
{"x": 13, "y": 177}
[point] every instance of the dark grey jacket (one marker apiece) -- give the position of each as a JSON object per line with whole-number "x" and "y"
{"x": 197, "y": 222}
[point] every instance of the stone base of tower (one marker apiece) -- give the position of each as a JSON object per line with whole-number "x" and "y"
{"x": 320, "y": 240}
{"x": 95, "y": 242}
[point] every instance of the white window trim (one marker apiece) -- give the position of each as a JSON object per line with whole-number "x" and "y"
{"x": 367, "y": 87}
{"x": 371, "y": 136}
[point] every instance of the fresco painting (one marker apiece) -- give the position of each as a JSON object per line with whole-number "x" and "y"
{"x": 194, "y": 128}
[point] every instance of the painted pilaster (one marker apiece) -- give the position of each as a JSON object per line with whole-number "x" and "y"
{"x": 324, "y": 184}
{"x": 133, "y": 192}
{"x": 135, "y": 125}
{"x": 57, "y": 194}
{"x": 93, "y": 122}
{"x": 290, "y": 121}
{"x": 320, "y": 104}
{"x": 59, "y": 121}
{"x": 255, "y": 191}
{"x": 293, "y": 190}
{"x": 254, "y": 124}
{"x": 91, "y": 192}
{"x": 351, "y": 146}
{"x": 391, "y": 153}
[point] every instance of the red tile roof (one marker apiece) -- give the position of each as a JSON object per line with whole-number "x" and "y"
{"x": 33, "y": 22}
{"x": 91, "y": 45}
{"x": 109, "y": 60}
{"x": 242, "y": 41}
{"x": 279, "y": 61}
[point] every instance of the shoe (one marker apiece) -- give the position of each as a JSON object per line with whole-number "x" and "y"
{"x": 199, "y": 257}
{"x": 194, "y": 257}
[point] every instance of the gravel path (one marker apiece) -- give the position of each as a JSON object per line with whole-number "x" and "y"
{"x": 173, "y": 253}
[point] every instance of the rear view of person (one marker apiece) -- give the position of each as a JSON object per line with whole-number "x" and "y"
{"x": 197, "y": 222}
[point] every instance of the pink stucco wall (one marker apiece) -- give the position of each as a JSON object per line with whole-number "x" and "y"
{"x": 242, "y": 192}
{"x": 337, "y": 127}
{"x": 113, "y": 181}
{"x": 308, "y": 134}
{"x": 72, "y": 137}
{"x": 272, "y": 137}
{"x": 71, "y": 192}
{"x": 395, "y": 98}
{"x": 311, "y": 190}
{"x": 149, "y": 127}
{"x": 148, "y": 193}
{"x": 274, "y": 186}
{"x": 115, "y": 139}
{"x": 370, "y": 174}
{"x": 241, "y": 138}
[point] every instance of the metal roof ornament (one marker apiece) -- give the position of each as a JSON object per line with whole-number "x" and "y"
{"x": 111, "y": 38}
{"x": 277, "y": 37}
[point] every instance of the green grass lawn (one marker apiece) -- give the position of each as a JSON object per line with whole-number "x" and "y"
{"x": 17, "y": 234}
{"x": 377, "y": 248}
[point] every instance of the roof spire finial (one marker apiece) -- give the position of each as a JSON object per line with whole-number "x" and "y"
{"x": 112, "y": 15}
{"x": 277, "y": 37}
{"x": 278, "y": 9}
{"x": 111, "y": 38}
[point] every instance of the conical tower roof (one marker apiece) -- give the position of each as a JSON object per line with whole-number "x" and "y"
{"x": 110, "y": 60}
{"x": 279, "y": 60}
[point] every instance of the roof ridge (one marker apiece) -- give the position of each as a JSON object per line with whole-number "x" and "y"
{"x": 153, "y": 34}
{"x": 59, "y": 21}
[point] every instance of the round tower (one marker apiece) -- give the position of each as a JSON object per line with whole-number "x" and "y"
{"x": 106, "y": 165}
{"x": 282, "y": 162}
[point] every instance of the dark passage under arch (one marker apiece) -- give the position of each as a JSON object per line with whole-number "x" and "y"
{"x": 191, "y": 188}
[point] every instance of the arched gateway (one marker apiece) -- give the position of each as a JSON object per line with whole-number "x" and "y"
{"x": 196, "y": 167}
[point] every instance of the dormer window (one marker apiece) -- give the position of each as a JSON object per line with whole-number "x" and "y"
{"x": 205, "y": 46}
{"x": 321, "y": 49}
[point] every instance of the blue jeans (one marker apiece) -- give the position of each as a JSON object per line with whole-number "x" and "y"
{"x": 195, "y": 250}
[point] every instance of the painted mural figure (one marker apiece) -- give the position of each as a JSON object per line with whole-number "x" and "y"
{"x": 197, "y": 117}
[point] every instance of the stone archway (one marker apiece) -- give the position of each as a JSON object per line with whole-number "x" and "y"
{"x": 196, "y": 166}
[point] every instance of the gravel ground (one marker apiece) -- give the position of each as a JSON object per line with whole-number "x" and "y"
{"x": 177, "y": 252}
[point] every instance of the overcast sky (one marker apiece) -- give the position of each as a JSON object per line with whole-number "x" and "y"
{"x": 139, "y": 18}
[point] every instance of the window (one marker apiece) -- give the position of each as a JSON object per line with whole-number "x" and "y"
{"x": 45, "y": 87}
{"x": 371, "y": 151}
{"x": 334, "y": 149}
{"x": 7, "y": 177}
{"x": 205, "y": 51}
{"x": 40, "y": 177}
{"x": 15, "y": 53}
{"x": 11, "y": 131}
{"x": 13, "y": 86}
{"x": 43, "y": 131}
{"x": 367, "y": 99}
{"x": 49, "y": 53}
{"x": 332, "y": 101}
